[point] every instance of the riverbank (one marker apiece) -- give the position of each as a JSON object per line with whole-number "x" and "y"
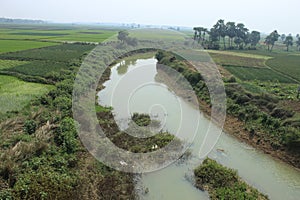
{"x": 256, "y": 137}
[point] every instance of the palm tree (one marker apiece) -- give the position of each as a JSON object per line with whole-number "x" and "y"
{"x": 230, "y": 31}
{"x": 271, "y": 39}
{"x": 298, "y": 43}
{"x": 220, "y": 29}
{"x": 241, "y": 33}
{"x": 288, "y": 42}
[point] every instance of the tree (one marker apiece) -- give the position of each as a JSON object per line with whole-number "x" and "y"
{"x": 288, "y": 42}
{"x": 230, "y": 31}
{"x": 271, "y": 39}
{"x": 254, "y": 38}
{"x": 282, "y": 37}
{"x": 241, "y": 35}
{"x": 298, "y": 43}
{"x": 123, "y": 35}
{"x": 214, "y": 39}
{"x": 220, "y": 30}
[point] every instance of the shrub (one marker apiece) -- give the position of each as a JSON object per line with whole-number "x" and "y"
{"x": 30, "y": 127}
{"x": 66, "y": 135}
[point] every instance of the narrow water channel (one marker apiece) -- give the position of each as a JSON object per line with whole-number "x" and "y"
{"x": 133, "y": 88}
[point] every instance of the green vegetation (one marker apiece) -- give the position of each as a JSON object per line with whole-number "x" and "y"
{"x": 262, "y": 99}
{"x": 261, "y": 74}
{"x": 286, "y": 64}
{"x": 54, "y": 33}
{"x": 5, "y": 64}
{"x": 223, "y": 183}
{"x": 16, "y": 45}
{"x": 237, "y": 59}
{"x": 58, "y": 53}
{"x": 16, "y": 94}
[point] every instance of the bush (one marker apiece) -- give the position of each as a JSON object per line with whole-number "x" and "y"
{"x": 214, "y": 174}
{"x": 30, "y": 127}
{"x": 66, "y": 135}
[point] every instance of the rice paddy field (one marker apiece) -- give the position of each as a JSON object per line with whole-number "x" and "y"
{"x": 56, "y": 33}
{"x": 16, "y": 94}
{"x": 28, "y": 51}
{"x": 19, "y": 45}
{"x": 255, "y": 73}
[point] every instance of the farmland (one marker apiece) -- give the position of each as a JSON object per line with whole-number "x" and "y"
{"x": 52, "y": 33}
{"x": 5, "y": 64}
{"x": 16, "y": 45}
{"x": 16, "y": 94}
{"x": 39, "y": 145}
{"x": 261, "y": 74}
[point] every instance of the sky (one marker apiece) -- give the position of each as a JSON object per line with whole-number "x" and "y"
{"x": 261, "y": 15}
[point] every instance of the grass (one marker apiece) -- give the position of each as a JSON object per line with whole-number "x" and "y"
{"x": 286, "y": 64}
{"x": 16, "y": 94}
{"x": 261, "y": 74}
{"x": 17, "y": 45}
{"x": 5, "y": 64}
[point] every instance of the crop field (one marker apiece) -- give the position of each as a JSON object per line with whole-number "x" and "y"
{"x": 72, "y": 34}
{"x": 237, "y": 60}
{"x": 19, "y": 45}
{"x": 16, "y": 94}
{"x": 261, "y": 74}
{"x": 286, "y": 64}
{"x": 38, "y": 68}
{"x": 157, "y": 34}
{"x": 61, "y": 53}
{"x": 5, "y": 64}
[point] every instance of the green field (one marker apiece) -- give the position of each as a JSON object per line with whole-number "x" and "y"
{"x": 5, "y": 64}
{"x": 261, "y": 74}
{"x": 39, "y": 68}
{"x": 18, "y": 45}
{"x": 56, "y": 33}
{"x": 58, "y": 53}
{"x": 235, "y": 59}
{"x": 286, "y": 64}
{"x": 16, "y": 94}
{"x": 42, "y": 61}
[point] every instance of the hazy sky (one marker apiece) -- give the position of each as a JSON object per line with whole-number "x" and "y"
{"x": 262, "y": 15}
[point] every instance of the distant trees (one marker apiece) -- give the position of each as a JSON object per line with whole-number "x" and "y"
{"x": 254, "y": 38}
{"x": 236, "y": 34}
{"x": 232, "y": 35}
{"x": 123, "y": 36}
{"x": 271, "y": 39}
{"x": 298, "y": 43}
{"x": 282, "y": 37}
{"x": 220, "y": 31}
{"x": 288, "y": 42}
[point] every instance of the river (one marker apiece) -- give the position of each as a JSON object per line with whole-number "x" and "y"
{"x": 133, "y": 88}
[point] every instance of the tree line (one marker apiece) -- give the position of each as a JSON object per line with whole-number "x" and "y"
{"x": 233, "y": 35}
